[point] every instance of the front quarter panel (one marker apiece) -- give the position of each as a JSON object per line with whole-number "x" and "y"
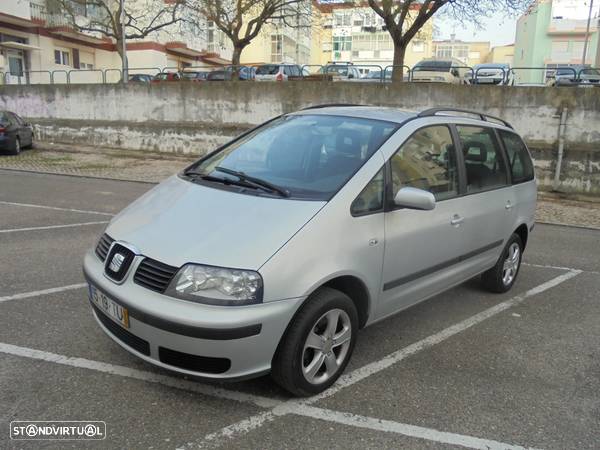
{"x": 332, "y": 244}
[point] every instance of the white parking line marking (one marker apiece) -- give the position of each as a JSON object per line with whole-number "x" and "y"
{"x": 401, "y": 428}
{"x": 216, "y": 439}
{"x": 52, "y": 227}
{"x": 55, "y": 208}
{"x": 370, "y": 369}
{"x": 42, "y": 292}
{"x": 544, "y": 266}
{"x": 150, "y": 377}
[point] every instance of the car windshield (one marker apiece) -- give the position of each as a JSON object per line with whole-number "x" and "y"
{"x": 310, "y": 156}
{"x": 433, "y": 66}
{"x": 269, "y": 69}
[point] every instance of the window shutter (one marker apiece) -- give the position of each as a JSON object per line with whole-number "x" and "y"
{"x": 76, "y": 58}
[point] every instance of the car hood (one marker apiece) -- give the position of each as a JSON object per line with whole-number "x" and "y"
{"x": 179, "y": 222}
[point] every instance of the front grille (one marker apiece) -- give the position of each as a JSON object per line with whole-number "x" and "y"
{"x": 122, "y": 334}
{"x": 118, "y": 261}
{"x": 154, "y": 275}
{"x": 195, "y": 363}
{"x": 103, "y": 246}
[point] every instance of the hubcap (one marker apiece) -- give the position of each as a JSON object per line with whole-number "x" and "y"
{"x": 511, "y": 264}
{"x": 17, "y": 146}
{"x": 326, "y": 346}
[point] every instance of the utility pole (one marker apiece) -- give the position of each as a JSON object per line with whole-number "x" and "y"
{"x": 587, "y": 33}
{"x": 124, "y": 67}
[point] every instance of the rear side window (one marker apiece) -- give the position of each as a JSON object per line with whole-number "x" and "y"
{"x": 268, "y": 69}
{"x": 519, "y": 160}
{"x": 484, "y": 163}
{"x": 427, "y": 160}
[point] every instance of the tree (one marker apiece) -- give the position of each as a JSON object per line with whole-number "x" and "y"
{"x": 242, "y": 20}
{"x": 404, "y": 18}
{"x": 138, "y": 19}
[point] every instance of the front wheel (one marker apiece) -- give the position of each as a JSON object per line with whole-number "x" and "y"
{"x": 503, "y": 275}
{"x": 317, "y": 346}
{"x": 17, "y": 147}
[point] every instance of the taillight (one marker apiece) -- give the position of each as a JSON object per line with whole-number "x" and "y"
{"x": 2, "y": 130}
{"x": 279, "y": 77}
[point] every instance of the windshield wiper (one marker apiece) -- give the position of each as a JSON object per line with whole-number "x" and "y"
{"x": 255, "y": 181}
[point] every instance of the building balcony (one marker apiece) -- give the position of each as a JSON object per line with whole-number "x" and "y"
{"x": 571, "y": 27}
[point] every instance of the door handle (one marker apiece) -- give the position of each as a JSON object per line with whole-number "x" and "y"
{"x": 457, "y": 220}
{"x": 508, "y": 205}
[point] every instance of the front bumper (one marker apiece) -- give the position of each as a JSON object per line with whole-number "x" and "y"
{"x": 216, "y": 342}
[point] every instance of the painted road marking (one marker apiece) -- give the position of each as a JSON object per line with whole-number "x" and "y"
{"x": 361, "y": 373}
{"x": 52, "y": 227}
{"x": 150, "y": 377}
{"x": 42, "y": 292}
{"x": 55, "y": 208}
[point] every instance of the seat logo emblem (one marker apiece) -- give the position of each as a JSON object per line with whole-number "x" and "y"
{"x": 116, "y": 262}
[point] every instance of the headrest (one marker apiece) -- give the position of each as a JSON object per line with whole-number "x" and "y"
{"x": 475, "y": 151}
{"x": 349, "y": 143}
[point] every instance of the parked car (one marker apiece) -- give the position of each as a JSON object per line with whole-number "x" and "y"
{"x": 441, "y": 71}
{"x": 270, "y": 253}
{"x": 245, "y": 73}
{"x": 278, "y": 72}
{"x": 15, "y": 133}
{"x": 139, "y": 78}
{"x": 490, "y": 73}
{"x": 575, "y": 75}
{"x": 166, "y": 76}
{"x": 194, "y": 75}
{"x": 341, "y": 71}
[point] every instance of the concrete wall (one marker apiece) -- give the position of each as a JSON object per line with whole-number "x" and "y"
{"x": 196, "y": 117}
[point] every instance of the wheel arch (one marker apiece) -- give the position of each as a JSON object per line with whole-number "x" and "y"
{"x": 523, "y": 232}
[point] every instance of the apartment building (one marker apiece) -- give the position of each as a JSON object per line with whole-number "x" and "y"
{"x": 470, "y": 53}
{"x": 353, "y": 32}
{"x": 553, "y": 33}
{"x": 501, "y": 54}
{"x": 38, "y": 43}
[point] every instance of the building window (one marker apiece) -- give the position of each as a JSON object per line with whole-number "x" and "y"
{"x": 343, "y": 19}
{"x": 418, "y": 46}
{"x": 276, "y": 48}
{"x": 342, "y": 43}
{"x": 61, "y": 57}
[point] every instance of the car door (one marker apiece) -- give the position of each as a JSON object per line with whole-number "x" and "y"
{"x": 422, "y": 247}
{"x": 23, "y": 131}
{"x": 489, "y": 218}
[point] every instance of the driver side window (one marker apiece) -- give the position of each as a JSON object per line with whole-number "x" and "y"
{"x": 427, "y": 160}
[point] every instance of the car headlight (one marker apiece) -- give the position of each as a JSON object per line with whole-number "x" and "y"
{"x": 216, "y": 285}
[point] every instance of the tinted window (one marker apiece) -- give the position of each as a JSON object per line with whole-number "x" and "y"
{"x": 371, "y": 198}
{"x": 312, "y": 156}
{"x": 17, "y": 119}
{"x": 485, "y": 166}
{"x": 269, "y": 69}
{"x": 519, "y": 160}
{"x": 433, "y": 66}
{"x": 295, "y": 71}
{"x": 427, "y": 160}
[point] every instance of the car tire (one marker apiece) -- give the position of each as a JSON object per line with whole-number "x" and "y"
{"x": 308, "y": 360}
{"x": 17, "y": 147}
{"x": 503, "y": 275}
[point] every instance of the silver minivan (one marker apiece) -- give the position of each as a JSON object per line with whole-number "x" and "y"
{"x": 271, "y": 252}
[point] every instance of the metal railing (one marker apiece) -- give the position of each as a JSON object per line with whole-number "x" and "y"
{"x": 514, "y": 76}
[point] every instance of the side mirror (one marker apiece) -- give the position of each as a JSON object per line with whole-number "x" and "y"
{"x": 455, "y": 72}
{"x": 414, "y": 198}
{"x": 351, "y": 75}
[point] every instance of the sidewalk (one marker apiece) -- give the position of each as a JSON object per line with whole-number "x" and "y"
{"x": 153, "y": 167}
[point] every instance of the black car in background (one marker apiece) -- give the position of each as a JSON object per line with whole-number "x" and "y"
{"x": 15, "y": 133}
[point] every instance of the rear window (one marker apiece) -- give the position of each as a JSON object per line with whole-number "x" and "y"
{"x": 269, "y": 69}
{"x": 433, "y": 66}
{"x": 519, "y": 160}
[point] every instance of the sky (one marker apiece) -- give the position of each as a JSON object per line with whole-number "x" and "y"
{"x": 498, "y": 29}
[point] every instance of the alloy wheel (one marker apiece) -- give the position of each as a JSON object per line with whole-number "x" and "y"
{"x": 511, "y": 264}
{"x": 326, "y": 346}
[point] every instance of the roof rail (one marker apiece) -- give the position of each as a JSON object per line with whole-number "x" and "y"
{"x": 433, "y": 111}
{"x": 330, "y": 105}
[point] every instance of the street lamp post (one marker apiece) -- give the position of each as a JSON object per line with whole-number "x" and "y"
{"x": 587, "y": 33}
{"x": 124, "y": 67}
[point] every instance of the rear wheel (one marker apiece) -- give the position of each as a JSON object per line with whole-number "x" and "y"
{"x": 503, "y": 275}
{"x": 17, "y": 147}
{"x": 317, "y": 346}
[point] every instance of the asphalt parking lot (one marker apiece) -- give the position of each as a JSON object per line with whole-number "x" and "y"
{"x": 464, "y": 369}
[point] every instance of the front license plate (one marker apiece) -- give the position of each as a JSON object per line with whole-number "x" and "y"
{"x": 111, "y": 308}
